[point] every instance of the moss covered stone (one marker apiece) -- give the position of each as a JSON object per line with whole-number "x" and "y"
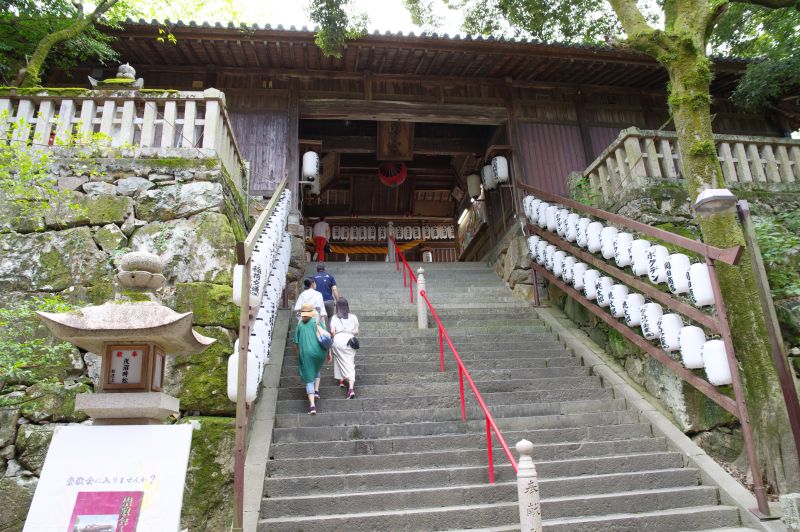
{"x": 53, "y": 402}
{"x": 32, "y": 443}
{"x": 88, "y": 210}
{"x": 179, "y": 201}
{"x": 110, "y": 237}
{"x": 16, "y": 494}
{"x": 211, "y": 303}
{"x": 200, "y": 381}
{"x": 208, "y": 496}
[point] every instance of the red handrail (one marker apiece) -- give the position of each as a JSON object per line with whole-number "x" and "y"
{"x": 491, "y": 425}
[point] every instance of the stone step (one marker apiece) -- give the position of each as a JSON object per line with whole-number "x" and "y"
{"x": 432, "y": 415}
{"x": 544, "y": 350}
{"x": 340, "y": 404}
{"x": 336, "y": 465}
{"x": 449, "y": 388}
{"x": 364, "y": 481}
{"x": 379, "y": 323}
{"x": 478, "y": 331}
{"x": 364, "y": 378}
{"x": 524, "y": 344}
{"x": 567, "y": 436}
{"x": 667, "y": 520}
{"x": 392, "y": 430}
{"x": 409, "y": 314}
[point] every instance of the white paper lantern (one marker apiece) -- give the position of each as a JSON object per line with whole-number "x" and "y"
{"x": 677, "y": 268}
{"x": 549, "y": 251}
{"x": 617, "y": 300}
{"x": 657, "y": 257}
{"x": 603, "y": 291}
{"x": 700, "y": 285}
{"x": 257, "y": 284}
{"x": 310, "y": 166}
{"x": 638, "y": 254}
{"x": 362, "y": 232}
{"x": 426, "y": 232}
{"x": 371, "y": 233}
{"x": 532, "y": 241}
{"x": 569, "y": 265}
{"x": 561, "y": 221}
{"x": 593, "y": 236}
{"x": 251, "y": 388}
{"x": 526, "y": 205}
{"x": 691, "y": 340}
{"x": 500, "y": 169}
{"x": 578, "y": 273}
{"x": 715, "y": 360}
{"x": 583, "y": 238}
{"x": 671, "y": 325}
{"x": 487, "y": 176}
{"x": 622, "y": 249}
{"x": 336, "y": 233}
{"x": 590, "y": 284}
{"x": 550, "y": 217}
{"x": 607, "y": 237}
{"x": 558, "y": 262}
{"x": 541, "y": 247}
{"x": 572, "y": 227}
{"x": 474, "y": 186}
{"x": 541, "y": 214}
{"x": 633, "y": 309}
{"x": 533, "y": 213}
{"x": 238, "y": 273}
{"x": 650, "y": 317}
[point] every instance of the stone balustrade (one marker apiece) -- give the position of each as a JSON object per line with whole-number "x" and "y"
{"x": 640, "y": 157}
{"x": 149, "y": 123}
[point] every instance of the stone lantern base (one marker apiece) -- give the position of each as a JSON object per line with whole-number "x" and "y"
{"x": 143, "y": 408}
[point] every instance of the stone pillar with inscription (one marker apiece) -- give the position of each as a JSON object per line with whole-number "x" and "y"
{"x": 422, "y": 307}
{"x": 530, "y": 510}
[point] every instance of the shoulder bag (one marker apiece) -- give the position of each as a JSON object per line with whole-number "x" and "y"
{"x": 324, "y": 337}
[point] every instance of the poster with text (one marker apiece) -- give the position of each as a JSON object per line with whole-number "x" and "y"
{"x": 106, "y": 511}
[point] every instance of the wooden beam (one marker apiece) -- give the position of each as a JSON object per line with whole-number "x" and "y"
{"x": 335, "y": 109}
{"x": 292, "y": 146}
{"x": 422, "y": 146}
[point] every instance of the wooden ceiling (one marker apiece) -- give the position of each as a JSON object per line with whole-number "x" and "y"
{"x": 280, "y": 51}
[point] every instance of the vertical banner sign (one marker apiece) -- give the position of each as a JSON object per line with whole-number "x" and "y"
{"x": 115, "y": 478}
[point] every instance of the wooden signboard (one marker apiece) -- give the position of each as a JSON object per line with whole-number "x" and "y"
{"x": 395, "y": 141}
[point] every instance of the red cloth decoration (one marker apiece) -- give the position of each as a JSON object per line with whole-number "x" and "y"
{"x": 392, "y": 174}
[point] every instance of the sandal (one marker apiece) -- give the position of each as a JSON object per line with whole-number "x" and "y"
{"x": 341, "y": 383}
{"x": 312, "y": 410}
{"x": 351, "y": 394}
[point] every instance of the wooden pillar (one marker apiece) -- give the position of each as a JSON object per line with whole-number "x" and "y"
{"x": 514, "y": 139}
{"x": 292, "y": 144}
{"x": 583, "y": 127}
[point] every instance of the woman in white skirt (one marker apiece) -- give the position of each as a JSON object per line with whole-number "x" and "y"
{"x": 344, "y": 326}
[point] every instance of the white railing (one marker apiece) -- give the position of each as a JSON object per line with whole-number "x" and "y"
{"x": 167, "y": 123}
{"x": 639, "y": 157}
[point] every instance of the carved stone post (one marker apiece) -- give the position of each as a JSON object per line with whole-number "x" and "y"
{"x": 422, "y": 307}
{"x": 530, "y": 511}
{"x": 391, "y": 256}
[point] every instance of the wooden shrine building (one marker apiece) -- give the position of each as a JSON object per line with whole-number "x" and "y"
{"x": 441, "y": 105}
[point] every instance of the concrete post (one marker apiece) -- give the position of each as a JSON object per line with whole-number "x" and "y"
{"x": 530, "y": 511}
{"x": 391, "y": 256}
{"x": 422, "y": 307}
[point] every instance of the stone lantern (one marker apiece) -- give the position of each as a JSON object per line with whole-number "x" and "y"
{"x": 133, "y": 336}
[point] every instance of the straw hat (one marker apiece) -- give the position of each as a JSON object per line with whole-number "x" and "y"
{"x": 307, "y": 310}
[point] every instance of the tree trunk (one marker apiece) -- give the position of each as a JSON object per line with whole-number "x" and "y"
{"x": 32, "y": 73}
{"x": 689, "y": 98}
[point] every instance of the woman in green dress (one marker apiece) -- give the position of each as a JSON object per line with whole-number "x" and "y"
{"x": 311, "y": 354}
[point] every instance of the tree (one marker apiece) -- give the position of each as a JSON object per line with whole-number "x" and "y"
{"x": 676, "y": 33}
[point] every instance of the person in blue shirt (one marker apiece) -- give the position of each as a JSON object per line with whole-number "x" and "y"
{"x": 326, "y": 285}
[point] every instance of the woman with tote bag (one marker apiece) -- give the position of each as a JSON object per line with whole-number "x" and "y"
{"x": 344, "y": 327}
{"x": 312, "y": 353}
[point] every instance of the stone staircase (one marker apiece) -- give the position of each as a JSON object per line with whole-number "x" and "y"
{"x": 398, "y": 457}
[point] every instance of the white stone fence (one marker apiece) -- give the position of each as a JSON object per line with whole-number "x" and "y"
{"x": 158, "y": 123}
{"x": 640, "y": 157}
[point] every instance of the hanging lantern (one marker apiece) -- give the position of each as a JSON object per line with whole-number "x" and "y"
{"x": 590, "y": 284}
{"x": 500, "y": 169}
{"x": 617, "y": 300}
{"x": 650, "y": 316}
{"x": 549, "y": 251}
{"x": 541, "y": 214}
{"x": 700, "y": 285}
{"x": 632, "y": 308}
{"x": 677, "y": 268}
{"x": 671, "y": 325}
{"x": 487, "y": 176}
{"x": 392, "y": 174}
{"x": 408, "y": 232}
{"x": 603, "y": 291}
{"x": 335, "y": 233}
{"x": 526, "y": 205}
{"x": 691, "y": 341}
{"x": 474, "y": 186}
{"x": 572, "y": 227}
{"x": 533, "y": 214}
{"x": 345, "y": 233}
{"x": 569, "y": 265}
{"x": 607, "y": 237}
{"x": 578, "y": 273}
{"x": 715, "y": 360}
{"x": 532, "y": 241}
{"x": 593, "y": 236}
{"x": 371, "y": 232}
{"x": 417, "y": 232}
{"x": 561, "y": 221}
{"x": 622, "y": 249}
{"x": 541, "y": 247}
{"x": 583, "y": 237}
{"x": 353, "y": 232}
{"x": 451, "y": 232}
{"x": 251, "y": 388}
{"x": 657, "y": 257}
{"x": 310, "y": 166}
{"x": 639, "y": 262}
{"x": 236, "y": 296}
{"x": 558, "y": 262}
{"x": 550, "y": 217}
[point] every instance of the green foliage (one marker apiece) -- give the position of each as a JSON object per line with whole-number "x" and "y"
{"x": 582, "y": 192}
{"x": 779, "y": 240}
{"x": 25, "y": 346}
{"x": 336, "y": 24}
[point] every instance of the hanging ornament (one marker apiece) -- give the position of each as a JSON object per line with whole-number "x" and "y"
{"x": 392, "y": 174}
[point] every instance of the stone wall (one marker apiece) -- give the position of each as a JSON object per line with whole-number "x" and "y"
{"x": 777, "y": 216}
{"x": 186, "y": 211}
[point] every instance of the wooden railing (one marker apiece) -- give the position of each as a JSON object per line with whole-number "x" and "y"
{"x": 168, "y": 123}
{"x": 640, "y": 157}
